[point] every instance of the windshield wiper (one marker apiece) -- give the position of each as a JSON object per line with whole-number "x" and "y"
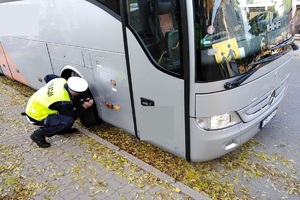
{"x": 241, "y": 79}
{"x": 264, "y": 60}
{"x": 238, "y": 81}
{"x": 285, "y": 43}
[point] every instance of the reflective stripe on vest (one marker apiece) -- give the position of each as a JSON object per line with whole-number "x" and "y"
{"x": 38, "y": 104}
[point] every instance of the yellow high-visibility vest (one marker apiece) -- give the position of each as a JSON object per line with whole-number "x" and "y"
{"x": 38, "y": 104}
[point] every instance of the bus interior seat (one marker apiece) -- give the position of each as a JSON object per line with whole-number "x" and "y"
{"x": 164, "y": 29}
{"x": 144, "y": 30}
{"x": 160, "y": 20}
{"x": 144, "y": 12}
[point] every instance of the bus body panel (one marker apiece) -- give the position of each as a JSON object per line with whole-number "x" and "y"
{"x": 64, "y": 57}
{"x": 4, "y": 68}
{"x": 72, "y": 22}
{"x": 111, "y": 86}
{"x": 68, "y": 54}
{"x": 28, "y": 60}
{"x": 99, "y": 67}
{"x": 191, "y": 33}
{"x": 60, "y": 23}
{"x": 207, "y": 145}
{"x": 163, "y": 123}
{"x": 69, "y": 40}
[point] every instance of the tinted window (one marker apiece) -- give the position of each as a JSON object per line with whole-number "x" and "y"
{"x": 112, "y": 5}
{"x": 156, "y": 24}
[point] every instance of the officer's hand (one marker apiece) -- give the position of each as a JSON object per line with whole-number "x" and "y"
{"x": 88, "y": 103}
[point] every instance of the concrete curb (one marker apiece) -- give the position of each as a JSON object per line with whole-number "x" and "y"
{"x": 148, "y": 168}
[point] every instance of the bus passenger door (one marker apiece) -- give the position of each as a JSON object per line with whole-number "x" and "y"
{"x": 153, "y": 54}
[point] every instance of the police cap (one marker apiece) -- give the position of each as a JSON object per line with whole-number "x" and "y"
{"x": 77, "y": 84}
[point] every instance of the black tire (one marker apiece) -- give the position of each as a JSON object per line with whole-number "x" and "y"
{"x": 90, "y": 116}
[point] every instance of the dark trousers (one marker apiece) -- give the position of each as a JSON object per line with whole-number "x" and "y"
{"x": 57, "y": 124}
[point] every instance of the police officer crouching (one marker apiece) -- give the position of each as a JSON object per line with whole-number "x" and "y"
{"x": 52, "y": 109}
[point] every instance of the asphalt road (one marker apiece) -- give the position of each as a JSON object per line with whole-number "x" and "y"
{"x": 282, "y": 137}
{"x": 284, "y": 130}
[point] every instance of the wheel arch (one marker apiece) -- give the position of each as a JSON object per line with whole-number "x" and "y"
{"x": 91, "y": 116}
{"x": 66, "y": 72}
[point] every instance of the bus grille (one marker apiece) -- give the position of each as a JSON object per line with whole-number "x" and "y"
{"x": 263, "y": 104}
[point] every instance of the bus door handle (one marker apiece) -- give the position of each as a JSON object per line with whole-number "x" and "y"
{"x": 147, "y": 102}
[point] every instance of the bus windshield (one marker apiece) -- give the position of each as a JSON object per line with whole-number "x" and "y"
{"x": 234, "y": 37}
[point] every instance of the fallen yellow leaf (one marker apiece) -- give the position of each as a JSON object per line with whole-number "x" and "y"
{"x": 177, "y": 190}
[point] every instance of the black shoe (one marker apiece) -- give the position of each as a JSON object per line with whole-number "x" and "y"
{"x": 39, "y": 138}
{"x": 71, "y": 130}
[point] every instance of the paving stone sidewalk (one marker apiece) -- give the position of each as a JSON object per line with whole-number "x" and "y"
{"x": 77, "y": 166}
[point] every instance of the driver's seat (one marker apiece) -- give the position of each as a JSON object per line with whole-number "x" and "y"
{"x": 164, "y": 28}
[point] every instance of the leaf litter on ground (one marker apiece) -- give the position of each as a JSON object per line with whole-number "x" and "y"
{"x": 221, "y": 178}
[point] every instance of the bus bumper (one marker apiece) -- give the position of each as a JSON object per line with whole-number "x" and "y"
{"x": 208, "y": 145}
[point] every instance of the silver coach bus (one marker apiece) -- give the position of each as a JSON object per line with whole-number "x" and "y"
{"x": 197, "y": 78}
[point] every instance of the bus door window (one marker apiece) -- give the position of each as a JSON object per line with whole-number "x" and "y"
{"x": 112, "y": 5}
{"x": 155, "y": 23}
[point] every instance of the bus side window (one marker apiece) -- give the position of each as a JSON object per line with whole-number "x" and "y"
{"x": 155, "y": 23}
{"x": 165, "y": 30}
{"x": 112, "y": 5}
{"x": 138, "y": 15}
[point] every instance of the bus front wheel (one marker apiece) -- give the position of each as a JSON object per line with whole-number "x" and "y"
{"x": 90, "y": 116}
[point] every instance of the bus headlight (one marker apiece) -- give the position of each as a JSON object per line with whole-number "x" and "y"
{"x": 218, "y": 122}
